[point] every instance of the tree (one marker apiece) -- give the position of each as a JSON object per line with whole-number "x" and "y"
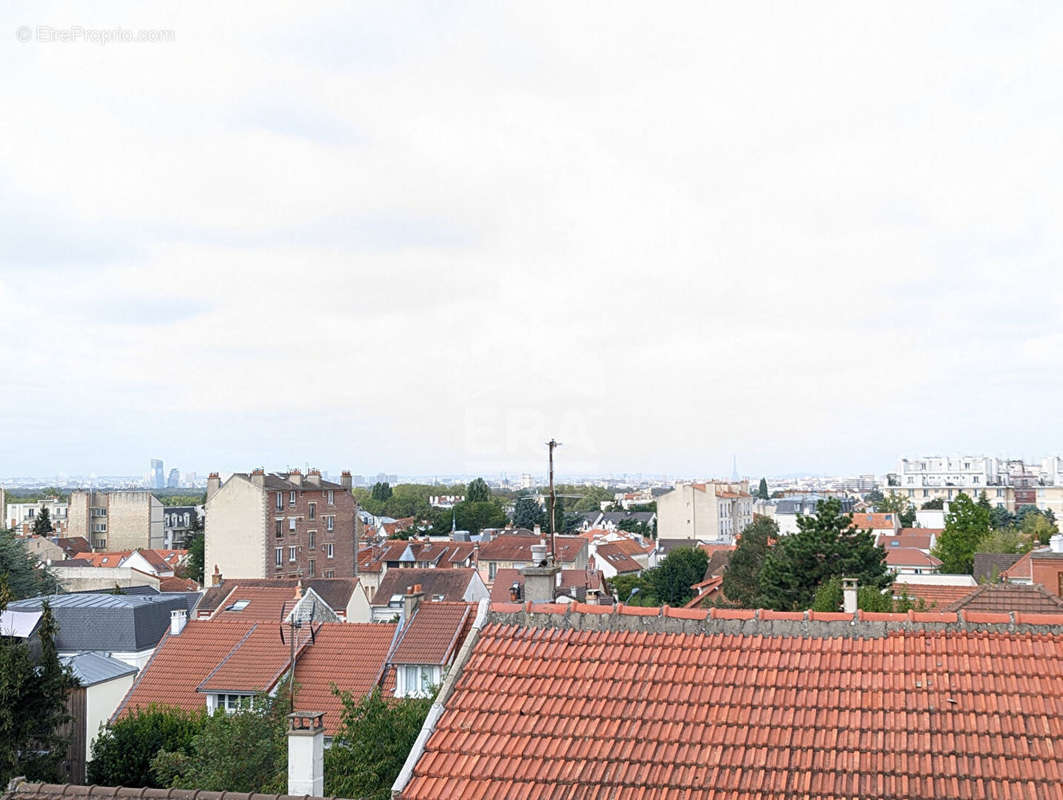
{"x": 762, "y": 490}
{"x": 42, "y": 526}
{"x": 623, "y": 589}
{"x": 937, "y": 503}
{"x": 831, "y": 596}
{"x": 241, "y": 751}
{"x": 381, "y": 491}
{"x": 591, "y": 497}
{"x": 895, "y": 504}
{"x": 478, "y": 491}
{"x": 672, "y": 578}
{"x": 123, "y": 752}
{"x": 33, "y": 696}
{"x": 826, "y": 544}
{"x": 1000, "y": 517}
{"x": 740, "y": 581}
{"x": 965, "y": 525}
{"x": 372, "y": 743}
{"x": 195, "y": 544}
{"x": 1004, "y": 540}
{"x": 527, "y": 513}
{"x": 1038, "y": 526}
{"x": 20, "y": 572}
{"x": 634, "y": 526}
{"x": 874, "y": 496}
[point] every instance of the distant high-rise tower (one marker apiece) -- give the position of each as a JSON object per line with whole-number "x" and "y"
{"x": 173, "y": 480}
{"x": 734, "y": 468}
{"x": 157, "y": 479}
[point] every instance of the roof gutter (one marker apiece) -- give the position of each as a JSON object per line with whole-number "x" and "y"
{"x": 436, "y": 711}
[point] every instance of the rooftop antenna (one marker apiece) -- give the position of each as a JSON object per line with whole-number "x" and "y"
{"x": 553, "y": 443}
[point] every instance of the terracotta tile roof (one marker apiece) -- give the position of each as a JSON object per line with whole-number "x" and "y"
{"x": 718, "y": 563}
{"x": 725, "y": 705}
{"x": 334, "y": 591}
{"x": 433, "y": 634}
{"x": 23, "y": 790}
{"x": 990, "y": 566}
{"x": 247, "y": 656}
{"x": 156, "y": 559}
{"x": 919, "y": 538}
{"x": 934, "y": 595}
{"x": 173, "y": 584}
{"x": 74, "y": 544}
{"x": 707, "y": 590}
{"x": 868, "y": 521}
{"x": 631, "y": 547}
{"x": 450, "y": 584}
{"x": 263, "y": 603}
{"x": 1022, "y": 568}
{"x": 909, "y": 557}
{"x": 518, "y": 548}
{"x": 712, "y": 549}
{"x": 1007, "y": 597}
{"x": 618, "y": 559}
{"x": 105, "y": 559}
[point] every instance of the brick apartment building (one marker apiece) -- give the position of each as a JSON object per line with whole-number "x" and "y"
{"x": 280, "y": 525}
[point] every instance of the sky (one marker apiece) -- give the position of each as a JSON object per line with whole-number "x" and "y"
{"x": 427, "y": 237}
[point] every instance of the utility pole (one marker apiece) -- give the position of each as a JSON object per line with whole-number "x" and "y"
{"x": 553, "y": 501}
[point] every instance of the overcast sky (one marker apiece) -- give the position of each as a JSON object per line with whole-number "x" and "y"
{"x": 425, "y": 237}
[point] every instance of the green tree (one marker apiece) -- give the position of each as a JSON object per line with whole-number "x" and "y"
{"x": 623, "y": 586}
{"x": 381, "y": 491}
{"x": 123, "y": 752}
{"x": 33, "y": 696}
{"x": 762, "y": 490}
{"x": 478, "y": 491}
{"x": 741, "y": 579}
{"x": 826, "y": 544}
{"x": 591, "y": 497}
{"x": 20, "y": 571}
{"x": 195, "y": 543}
{"x": 830, "y": 597}
{"x": 965, "y": 525}
{"x": 374, "y": 738}
{"x": 527, "y": 513}
{"x": 893, "y": 503}
{"x": 1038, "y": 526}
{"x": 241, "y": 751}
{"x": 1004, "y": 540}
{"x": 874, "y": 496}
{"x": 672, "y": 578}
{"x": 937, "y": 503}
{"x": 635, "y": 526}
{"x": 42, "y": 525}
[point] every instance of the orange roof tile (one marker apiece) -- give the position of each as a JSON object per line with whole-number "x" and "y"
{"x": 934, "y": 595}
{"x": 433, "y": 634}
{"x": 263, "y": 603}
{"x": 618, "y": 559}
{"x": 875, "y": 522}
{"x": 638, "y": 713}
{"x": 918, "y": 538}
{"x": 909, "y": 557}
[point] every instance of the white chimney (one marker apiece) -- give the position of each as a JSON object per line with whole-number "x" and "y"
{"x": 1055, "y": 544}
{"x": 849, "y": 595}
{"x": 306, "y": 753}
{"x": 178, "y": 619}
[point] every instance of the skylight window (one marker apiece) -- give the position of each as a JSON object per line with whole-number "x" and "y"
{"x": 239, "y": 605}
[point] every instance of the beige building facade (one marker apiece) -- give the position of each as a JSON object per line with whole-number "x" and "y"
{"x": 714, "y": 511}
{"x": 116, "y": 519}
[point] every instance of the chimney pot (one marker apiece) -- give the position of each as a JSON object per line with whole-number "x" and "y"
{"x": 411, "y": 601}
{"x": 178, "y": 620}
{"x": 849, "y": 595}
{"x": 345, "y": 479}
{"x": 1055, "y": 544}
{"x": 306, "y": 753}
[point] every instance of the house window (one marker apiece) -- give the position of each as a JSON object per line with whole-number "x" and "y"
{"x": 280, "y": 500}
{"x": 310, "y": 568}
{"x": 100, "y": 527}
{"x": 233, "y": 702}
{"x": 312, "y": 539}
{"x": 418, "y": 680}
{"x": 329, "y": 551}
{"x": 279, "y": 525}
{"x": 312, "y": 513}
{"x": 492, "y": 568}
{"x": 331, "y": 497}
{"x": 278, "y": 556}
{"x": 291, "y": 553}
{"x": 330, "y": 523}
{"x": 291, "y": 498}
{"x": 100, "y": 544}
{"x": 291, "y": 524}
{"x": 330, "y": 573}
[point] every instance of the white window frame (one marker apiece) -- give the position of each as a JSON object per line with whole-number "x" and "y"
{"x": 329, "y": 550}
{"x": 330, "y": 523}
{"x": 332, "y": 497}
{"x": 278, "y": 555}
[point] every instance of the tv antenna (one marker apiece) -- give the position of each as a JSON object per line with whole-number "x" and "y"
{"x": 552, "y": 444}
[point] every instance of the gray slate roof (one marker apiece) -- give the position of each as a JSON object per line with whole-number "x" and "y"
{"x": 107, "y": 622}
{"x": 93, "y": 668}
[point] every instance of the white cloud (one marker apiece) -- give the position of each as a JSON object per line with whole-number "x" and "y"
{"x": 813, "y": 238}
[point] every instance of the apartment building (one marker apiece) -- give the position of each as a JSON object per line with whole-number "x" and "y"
{"x": 280, "y": 525}
{"x": 714, "y": 511}
{"x": 21, "y": 517}
{"x": 116, "y": 519}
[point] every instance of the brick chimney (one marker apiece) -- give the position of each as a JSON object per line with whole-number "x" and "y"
{"x": 345, "y": 479}
{"x": 258, "y": 477}
{"x": 215, "y": 579}
{"x": 213, "y": 484}
{"x": 296, "y": 477}
{"x": 314, "y": 477}
{"x": 306, "y": 753}
{"x": 411, "y": 601}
